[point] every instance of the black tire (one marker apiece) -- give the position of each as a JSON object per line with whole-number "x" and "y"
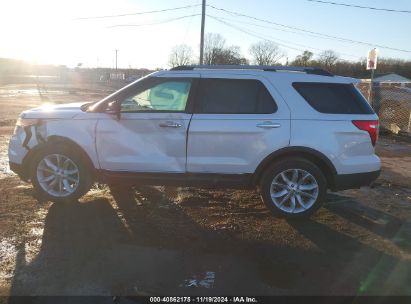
{"x": 84, "y": 172}
{"x": 288, "y": 165}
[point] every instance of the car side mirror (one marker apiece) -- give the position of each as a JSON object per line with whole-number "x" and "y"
{"x": 114, "y": 108}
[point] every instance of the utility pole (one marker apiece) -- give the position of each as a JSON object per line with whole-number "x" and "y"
{"x": 202, "y": 32}
{"x": 116, "y": 59}
{"x": 372, "y": 65}
{"x": 370, "y": 98}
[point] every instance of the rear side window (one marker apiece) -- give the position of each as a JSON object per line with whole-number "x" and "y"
{"x": 234, "y": 96}
{"x": 334, "y": 98}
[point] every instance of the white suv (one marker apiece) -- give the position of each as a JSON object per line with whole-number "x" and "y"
{"x": 292, "y": 132}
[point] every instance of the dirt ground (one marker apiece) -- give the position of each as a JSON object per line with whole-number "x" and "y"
{"x": 187, "y": 241}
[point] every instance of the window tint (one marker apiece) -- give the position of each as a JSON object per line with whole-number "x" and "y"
{"x": 165, "y": 96}
{"x": 234, "y": 96}
{"x": 333, "y": 98}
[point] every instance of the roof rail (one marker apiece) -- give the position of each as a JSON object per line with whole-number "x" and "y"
{"x": 269, "y": 68}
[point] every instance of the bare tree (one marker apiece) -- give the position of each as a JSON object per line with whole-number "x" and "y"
{"x": 266, "y": 53}
{"x": 214, "y": 45}
{"x": 229, "y": 55}
{"x": 303, "y": 59}
{"x": 216, "y": 52}
{"x": 328, "y": 58}
{"x": 181, "y": 54}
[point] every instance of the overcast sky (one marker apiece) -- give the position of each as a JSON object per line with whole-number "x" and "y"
{"x": 46, "y": 31}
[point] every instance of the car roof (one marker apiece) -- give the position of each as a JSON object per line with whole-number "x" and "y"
{"x": 267, "y": 68}
{"x": 277, "y": 73}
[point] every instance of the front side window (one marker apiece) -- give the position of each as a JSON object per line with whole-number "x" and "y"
{"x": 234, "y": 96}
{"x": 170, "y": 96}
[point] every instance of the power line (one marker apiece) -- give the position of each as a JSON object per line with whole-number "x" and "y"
{"x": 285, "y": 30}
{"x": 225, "y": 22}
{"x": 274, "y": 39}
{"x": 138, "y": 13}
{"x": 288, "y": 31}
{"x": 360, "y": 6}
{"x": 189, "y": 25}
{"x": 252, "y": 34}
{"x": 153, "y": 23}
{"x": 267, "y": 27}
{"x": 307, "y": 31}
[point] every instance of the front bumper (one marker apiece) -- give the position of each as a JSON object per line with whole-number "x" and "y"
{"x": 20, "y": 145}
{"x": 355, "y": 180}
{"x": 17, "y": 151}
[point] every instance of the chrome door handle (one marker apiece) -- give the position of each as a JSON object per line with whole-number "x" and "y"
{"x": 268, "y": 125}
{"x": 170, "y": 124}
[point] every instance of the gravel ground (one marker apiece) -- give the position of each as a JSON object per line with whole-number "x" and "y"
{"x": 157, "y": 240}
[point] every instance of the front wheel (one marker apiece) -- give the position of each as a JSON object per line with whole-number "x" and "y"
{"x": 293, "y": 188}
{"x": 59, "y": 173}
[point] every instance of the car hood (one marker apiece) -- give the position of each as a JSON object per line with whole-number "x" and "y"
{"x": 59, "y": 111}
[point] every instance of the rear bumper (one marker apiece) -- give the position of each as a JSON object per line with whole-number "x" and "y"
{"x": 356, "y": 180}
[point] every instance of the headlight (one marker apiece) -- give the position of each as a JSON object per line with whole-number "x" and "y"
{"x": 24, "y": 123}
{"x": 27, "y": 122}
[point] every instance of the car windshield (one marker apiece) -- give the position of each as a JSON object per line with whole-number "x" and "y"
{"x": 98, "y": 105}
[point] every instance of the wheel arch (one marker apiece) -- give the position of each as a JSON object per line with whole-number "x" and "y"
{"x": 55, "y": 139}
{"x": 316, "y": 157}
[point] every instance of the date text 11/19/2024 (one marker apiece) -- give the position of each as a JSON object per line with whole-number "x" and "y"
{"x": 203, "y": 300}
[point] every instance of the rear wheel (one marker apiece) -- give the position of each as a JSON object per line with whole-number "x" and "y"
{"x": 293, "y": 188}
{"x": 59, "y": 173}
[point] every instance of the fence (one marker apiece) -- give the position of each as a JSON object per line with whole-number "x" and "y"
{"x": 392, "y": 103}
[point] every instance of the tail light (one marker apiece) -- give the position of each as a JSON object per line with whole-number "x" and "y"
{"x": 371, "y": 126}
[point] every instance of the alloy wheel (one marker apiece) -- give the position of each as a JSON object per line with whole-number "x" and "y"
{"x": 58, "y": 175}
{"x": 294, "y": 190}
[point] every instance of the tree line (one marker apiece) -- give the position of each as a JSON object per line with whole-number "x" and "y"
{"x": 217, "y": 52}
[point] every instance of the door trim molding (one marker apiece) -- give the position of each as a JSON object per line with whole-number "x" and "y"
{"x": 209, "y": 180}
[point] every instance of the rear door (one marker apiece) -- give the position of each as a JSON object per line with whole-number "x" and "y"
{"x": 238, "y": 120}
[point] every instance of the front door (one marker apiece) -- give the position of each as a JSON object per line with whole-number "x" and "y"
{"x": 151, "y": 134}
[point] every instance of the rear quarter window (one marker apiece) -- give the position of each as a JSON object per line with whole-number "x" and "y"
{"x": 333, "y": 98}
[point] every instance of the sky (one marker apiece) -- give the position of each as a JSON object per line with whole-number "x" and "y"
{"x": 50, "y": 31}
